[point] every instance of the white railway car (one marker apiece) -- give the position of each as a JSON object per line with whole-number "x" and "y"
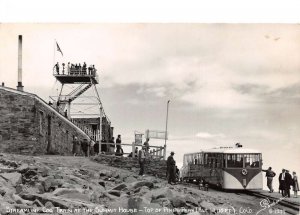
{"x": 225, "y": 167}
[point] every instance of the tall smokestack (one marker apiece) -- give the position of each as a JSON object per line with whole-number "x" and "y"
{"x": 20, "y": 87}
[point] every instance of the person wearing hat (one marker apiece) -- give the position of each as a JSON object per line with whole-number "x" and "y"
{"x": 171, "y": 169}
{"x": 288, "y": 182}
{"x": 142, "y": 160}
{"x": 282, "y": 182}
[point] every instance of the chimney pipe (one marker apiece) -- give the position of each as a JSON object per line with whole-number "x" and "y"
{"x": 20, "y": 87}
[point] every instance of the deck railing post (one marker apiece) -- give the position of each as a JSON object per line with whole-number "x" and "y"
{"x": 133, "y": 149}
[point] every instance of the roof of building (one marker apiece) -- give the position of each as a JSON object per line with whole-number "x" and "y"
{"x": 228, "y": 150}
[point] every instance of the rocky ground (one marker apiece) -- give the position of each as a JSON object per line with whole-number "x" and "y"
{"x": 69, "y": 185}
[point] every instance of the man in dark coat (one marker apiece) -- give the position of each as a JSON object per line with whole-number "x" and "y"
{"x": 288, "y": 182}
{"x": 282, "y": 182}
{"x": 171, "y": 169}
{"x": 96, "y": 148}
{"x": 119, "y": 151}
{"x": 84, "y": 147}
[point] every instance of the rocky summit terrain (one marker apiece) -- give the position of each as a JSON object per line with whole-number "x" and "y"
{"x": 79, "y": 185}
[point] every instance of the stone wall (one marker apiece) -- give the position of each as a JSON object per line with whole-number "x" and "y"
{"x": 28, "y": 125}
{"x": 153, "y": 167}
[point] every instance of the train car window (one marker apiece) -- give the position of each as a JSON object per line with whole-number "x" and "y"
{"x": 201, "y": 159}
{"x": 205, "y": 159}
{"x": 235, "y": 160}
{"x": 214, "y": 163}
{"x": 252, "y": 160}
{"x": 219, "y": 160}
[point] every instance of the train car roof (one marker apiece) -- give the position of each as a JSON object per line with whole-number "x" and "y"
{"x": 227, "y": 151}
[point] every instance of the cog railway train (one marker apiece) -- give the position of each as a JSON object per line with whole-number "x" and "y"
{"x": 225, "y": 167}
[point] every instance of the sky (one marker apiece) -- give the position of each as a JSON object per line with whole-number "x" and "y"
{"x": 226, "y": 83}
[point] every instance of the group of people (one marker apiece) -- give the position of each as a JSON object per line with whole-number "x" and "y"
{"x": 172, "y": 173}
{"x": 286, "y": 180}
{"x": 75, "y": 69}
{"x": 83, "y": 146}
{"x": 111, "y": 146}
{"x": 90, "y": 147}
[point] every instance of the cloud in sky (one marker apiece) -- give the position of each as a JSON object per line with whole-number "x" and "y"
{"x": 204, "y": 65}
{"x": 234, "y": 80}
{"x": 206, "y": 135}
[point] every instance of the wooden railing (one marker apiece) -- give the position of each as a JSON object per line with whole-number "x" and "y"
{"x": 155, "y": 152}
{"x": 93, "y": 134}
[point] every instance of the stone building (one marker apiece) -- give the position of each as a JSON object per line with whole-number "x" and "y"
{"x": 28, "y": 125}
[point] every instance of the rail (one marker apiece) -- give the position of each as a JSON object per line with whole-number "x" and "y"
{"x": 157, "y": 152}
{"x": 62, "y": 71}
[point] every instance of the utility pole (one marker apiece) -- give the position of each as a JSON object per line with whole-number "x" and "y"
{"x": 166, "y": 132}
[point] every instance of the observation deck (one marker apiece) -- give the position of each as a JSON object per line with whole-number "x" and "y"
{"x": 75, "y": 75}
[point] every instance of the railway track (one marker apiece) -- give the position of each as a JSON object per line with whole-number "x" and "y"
{"x": 287, "y": 206}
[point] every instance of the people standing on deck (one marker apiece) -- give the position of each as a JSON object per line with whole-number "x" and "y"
{"x": 295, "y": 184}
{"x": 93, "y": 70}
{"x": 270, "y": 175}
{"x": 288, "y": 182}
{"x": 171, "y": 169}
{"x": 69, "y": 68}
{"x": 282, "y": 182}
{"x": 63, "y": 70}
{"x": 142, "y": 160}
{"x": 56, "y": 66}
{"x": 79, "y": 67}
{"x": 84, "y": 68}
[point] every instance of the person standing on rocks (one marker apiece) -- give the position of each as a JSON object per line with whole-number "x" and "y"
{"x": 118, "y": 145}
{"x": 282, "y": 182}
{"x": 75, "y": 146}
{"x": 146, "y": 144}
{"x": 288, "y": 182}
{"x": 142, "y": 160}
{"x": 295, "y": 184}
{"x": 84, "y": 147}
{"x": 171, "y": 169}
{"x": 270, "y": 175}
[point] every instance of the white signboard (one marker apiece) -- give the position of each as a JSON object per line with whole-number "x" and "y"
{"x": 156, "y": 134}
{"x": 138, "y": 139}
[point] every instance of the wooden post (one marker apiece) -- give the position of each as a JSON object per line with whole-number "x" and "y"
{"x": 133, "y": 149}
{"x": 160, "y": 152}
